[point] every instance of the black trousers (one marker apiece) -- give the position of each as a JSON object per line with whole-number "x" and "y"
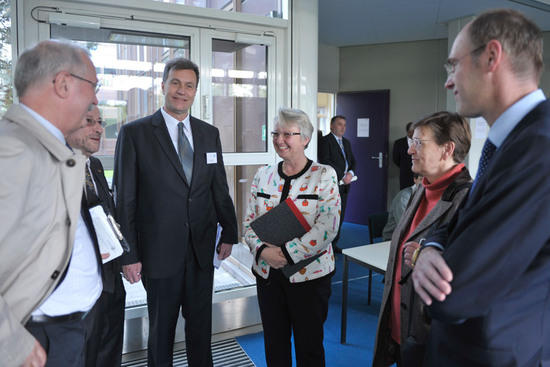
{"x": 104, "y": 345}
{"x": 343, "y": 199}
{"x": 64, "y": 342}
{"x": 191, "y": 289}
{"x": 300, "y": 308}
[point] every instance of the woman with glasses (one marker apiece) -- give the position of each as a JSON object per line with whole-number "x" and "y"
{"x": 439, "y": 144}
{"x": 296, "y": 304}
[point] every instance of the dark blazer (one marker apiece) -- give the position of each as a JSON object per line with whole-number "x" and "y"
{"x": 112, "y": 269}
{"x": 414, "y": 326}
{"x": 331, "y": 154}
{"x": 498, "y": 313}
{"x": 159, "y": 212}
{"x": 403, "y": 160}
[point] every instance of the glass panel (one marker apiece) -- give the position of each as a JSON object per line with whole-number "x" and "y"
{"x": 129, "y": 66}
{"x": 6, "y": 82}
{"x": 268, "y": 8}
{"x": 235, "y": 271}
{"x": 239, "y": 93}
{"x": 325, "y": 111}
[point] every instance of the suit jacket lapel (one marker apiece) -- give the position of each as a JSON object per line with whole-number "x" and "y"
{"x": 338, "y": 149}
{"x": 91, "y": 230}
{"x": 437, "y": 212}
{"x": 161, "y": 133}
{"x": 197, "y": 138}
{"x": 97, "y": 172}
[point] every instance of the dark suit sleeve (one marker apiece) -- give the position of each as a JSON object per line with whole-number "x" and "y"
{"x": 225, "y": 210}
{"x": 501, "y": 238}
{"x": 327, "y": 155}
{"x": 125, "y": 192}
{"x": 323, "y": 154}
{"x": 396, "y": 152}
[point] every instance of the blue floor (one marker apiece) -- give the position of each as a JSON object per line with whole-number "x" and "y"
{"x": 362, "y": 318}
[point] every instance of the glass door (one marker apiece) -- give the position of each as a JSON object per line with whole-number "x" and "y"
{"x": 237, "y": 100}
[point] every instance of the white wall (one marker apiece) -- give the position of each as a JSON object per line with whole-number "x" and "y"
{"x": 414, "y": 74}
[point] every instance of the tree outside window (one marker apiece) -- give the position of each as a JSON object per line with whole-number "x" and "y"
{"x": 6, "y": 79}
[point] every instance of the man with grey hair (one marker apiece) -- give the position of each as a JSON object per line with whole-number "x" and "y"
{"x": 40, "y": 196}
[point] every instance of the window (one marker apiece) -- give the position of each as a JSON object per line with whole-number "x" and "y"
{"x": 268, "y": 8}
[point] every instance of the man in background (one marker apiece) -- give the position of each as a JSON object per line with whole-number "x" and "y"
{"x": 402, "y": 159}
{"x": 47, "y": 283}
{"x": 398, "y": 206}
{"x": 171, "y": 191}
{"x": 335, "y": 150}
{"x": 104, "y": 345}
{"x": 487, "y": 281}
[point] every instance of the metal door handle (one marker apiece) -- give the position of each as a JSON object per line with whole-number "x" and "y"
{"x": 380, "y": 158}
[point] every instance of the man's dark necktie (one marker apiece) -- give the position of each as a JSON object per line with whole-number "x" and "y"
{"x": 486, "y": 155}
{"x": 91, "y": 197}
{"x": 185, "y": 152}
{"x": 341, "y": 144}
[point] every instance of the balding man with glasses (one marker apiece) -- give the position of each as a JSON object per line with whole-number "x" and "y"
{"x": 41, "y": 318}
{"x": 106, "y": 322}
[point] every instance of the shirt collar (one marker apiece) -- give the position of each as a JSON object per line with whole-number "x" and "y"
{"x": 336, "y": 137}
{"x": 173, "y": 122}
{"x": 506, "y": 122}
{"x": 48, "y": 125}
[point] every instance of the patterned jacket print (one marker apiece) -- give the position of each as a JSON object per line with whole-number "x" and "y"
{"x": 315, "y": 194}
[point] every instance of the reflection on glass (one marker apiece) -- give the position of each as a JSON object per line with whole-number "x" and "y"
{"x": 325, "y": 111}
{"x": 239, "y": 93}
{"x": 129, "y": 66}
{"x": 235, "y": 271}
{"x": 268, "y": 8}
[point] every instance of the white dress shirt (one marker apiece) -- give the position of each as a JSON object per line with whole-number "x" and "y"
{"x": 172, "y": 126}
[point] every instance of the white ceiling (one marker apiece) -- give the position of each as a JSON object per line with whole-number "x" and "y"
{"x": 361, "y": 22}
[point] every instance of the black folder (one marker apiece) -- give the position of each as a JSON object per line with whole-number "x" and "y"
{"x": 280, "y": 225}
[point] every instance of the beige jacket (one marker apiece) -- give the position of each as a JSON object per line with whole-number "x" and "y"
{"x": 41, "y": 184}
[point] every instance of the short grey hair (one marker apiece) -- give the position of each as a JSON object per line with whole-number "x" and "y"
{"x": 45, "y": 60}
{"x": 294, "y": 117}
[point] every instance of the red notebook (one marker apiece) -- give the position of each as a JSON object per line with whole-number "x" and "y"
{"x": 280, "y": 225}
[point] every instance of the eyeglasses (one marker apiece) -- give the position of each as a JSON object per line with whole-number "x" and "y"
{"x": 417, "y": 143}
{"x": 451, "y": 64}
{"x": 96, "y": 85}
{"x": 276, "y": 134}
{"x": 92, "y": 122}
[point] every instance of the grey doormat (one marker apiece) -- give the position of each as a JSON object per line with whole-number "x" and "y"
{"x": 226, "y": 353}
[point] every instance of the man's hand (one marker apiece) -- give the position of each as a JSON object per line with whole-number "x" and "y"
{"x": 431, "y": 276}
{"x": 347, "y": 178}
{"x": 105, "y": 255}
{"x": 224, "y": 250}
{"x": 274, "y": 256}
{"x": 132, "y": 272}
{"x": 408, "y": 251}
{"x": 37, "y": 358}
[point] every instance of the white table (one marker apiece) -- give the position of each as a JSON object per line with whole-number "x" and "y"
{"x": 375, "y": 258}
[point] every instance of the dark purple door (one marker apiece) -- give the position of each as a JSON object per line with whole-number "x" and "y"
{"x": 368, "y": 194}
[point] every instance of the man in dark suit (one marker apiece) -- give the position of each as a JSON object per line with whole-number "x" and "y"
{"x": 104, "y": 345}
{"x": 402, "y": 159}
{"x": 335, "y": 150}
{"x": 171, "y": 191}
{"x": 488, "y": 289}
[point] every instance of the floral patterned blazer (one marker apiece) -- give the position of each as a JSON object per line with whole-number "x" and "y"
{"x": 314, "y": 191}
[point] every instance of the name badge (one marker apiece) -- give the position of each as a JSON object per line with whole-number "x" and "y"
{"x": 211, "y": 158}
